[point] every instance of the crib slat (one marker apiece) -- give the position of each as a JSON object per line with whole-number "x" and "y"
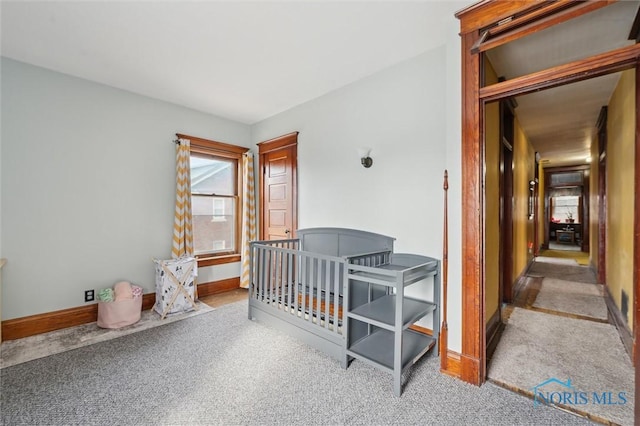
{"x": 289, "y": 275}
{"x": 337, "y": 286}
{"x": 318, "y": 310}
{"x": 303, "y": 284}
{"x": 327, "y": 293}
{"x": 278, "y": 277}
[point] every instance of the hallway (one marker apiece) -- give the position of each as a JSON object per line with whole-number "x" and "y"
{"x": 560, "y": 347}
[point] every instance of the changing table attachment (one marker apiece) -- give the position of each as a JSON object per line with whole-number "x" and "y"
{"x": 379, "y": 314}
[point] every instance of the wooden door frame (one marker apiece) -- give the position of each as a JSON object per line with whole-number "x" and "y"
{"x": 601, "y": 261}
{"x": 474, "y": 23}
{"x": 290, "y": 140}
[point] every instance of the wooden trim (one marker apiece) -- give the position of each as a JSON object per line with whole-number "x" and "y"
{"x": 619, "y": 322}
{"x": 206, "y": 260}
{"x": 421, "y": 329}
{"x": 443, "y": 341}
{"x": 235, "y": 153}
{"x": 453, "y": 364}
{"x": 601, "y": 126}
{"x": 278, "y": 143}
{"x": 266, "y": 147}
{"x": 43, "y": 323}
{"x": 211, "y": 145}
{"x": 594, "y": 66}
{"x": 472, "y": 20}
{"x": 537, "y": 20}
{"x": 473, "y": 323}
{"x": 634, "y": 34}
{"x": 636, "y": 241}
{"x": 494, "y": 331}
{"x": 487, "y": 13}
{"x": 215, "y": 287}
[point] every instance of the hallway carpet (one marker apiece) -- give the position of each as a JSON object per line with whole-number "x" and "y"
{"x": 567, "y": 270}
{"x": 572, "y": 297}
{"x": 536, "y": 347}
{"x": 580, "y": 257}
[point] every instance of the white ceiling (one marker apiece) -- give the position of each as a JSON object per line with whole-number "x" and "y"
{"x": 249, "y": 60}
{"x": 241, "y": 60}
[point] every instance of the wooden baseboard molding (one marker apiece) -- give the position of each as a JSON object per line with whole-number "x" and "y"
{"x": 453, "y": 363}
{"x": 462, "y": 367}
{"x": 493, "y": 333}
{"x": 215, "y": 287}
{"x": 43, "y": 323}
{"x": 620, "y": 323}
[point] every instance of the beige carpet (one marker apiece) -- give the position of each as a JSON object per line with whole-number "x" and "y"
{"x": 564, "y": 269}
{"x": 14, "y": 352}
{"x": 588, "y": 353}
{"x": 572, "y": 297}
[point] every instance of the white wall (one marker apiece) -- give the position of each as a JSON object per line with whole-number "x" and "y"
{"x": 403, "y": 114}
{"x": 453, "y": 141}
{"x": 88, "y": 186}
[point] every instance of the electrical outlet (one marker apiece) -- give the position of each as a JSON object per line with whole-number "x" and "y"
{"x": 89, "y": 295}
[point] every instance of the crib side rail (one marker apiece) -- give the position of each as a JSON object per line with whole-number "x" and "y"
{"x": 297, "y": 283}
{"x": 288, "y": 281}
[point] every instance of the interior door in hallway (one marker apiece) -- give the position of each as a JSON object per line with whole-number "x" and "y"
{"x": 506, "y": 202}
{"x": 278, "y": 187}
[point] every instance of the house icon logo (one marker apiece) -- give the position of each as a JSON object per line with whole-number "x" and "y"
{"x": 540, "y": 397}
{"x": 556, "y": 392}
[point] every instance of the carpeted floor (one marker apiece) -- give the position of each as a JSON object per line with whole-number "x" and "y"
{"x": 572, "y": 297}
{"x": 563, "y": 269}
{"x": 222, "y": 369}
{"x": 14, "y": 352}
{"x": 536, "y": 347}
{"x": 580, "y": 257}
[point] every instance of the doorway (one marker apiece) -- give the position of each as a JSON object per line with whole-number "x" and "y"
{"x": 278, "y": 166}
{"x": 482, "y": 27}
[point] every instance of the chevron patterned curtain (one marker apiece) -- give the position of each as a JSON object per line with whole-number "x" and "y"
{"x": 248, "y": 215}
{"x": 182, "y": 225}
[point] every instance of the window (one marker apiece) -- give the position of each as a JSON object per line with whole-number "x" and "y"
{"x": 216, "y": 186}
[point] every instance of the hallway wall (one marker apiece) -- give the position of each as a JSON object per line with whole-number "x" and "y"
{"x": 594, "y": 205}
{"x": 621, "y": 193}
{"x": 523, "y": 172}
{"x": 492, "y": 204}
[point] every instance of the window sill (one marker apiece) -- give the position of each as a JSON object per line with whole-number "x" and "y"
{"x": 217, "y": 260}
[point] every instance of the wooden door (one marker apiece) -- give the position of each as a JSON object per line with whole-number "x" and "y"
{"x": 278, "y": 187}
{"x": 506, "y": 203}
{"x": 602, "y": 196}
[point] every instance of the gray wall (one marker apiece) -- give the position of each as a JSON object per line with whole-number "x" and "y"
{"x": 88, "y": 185}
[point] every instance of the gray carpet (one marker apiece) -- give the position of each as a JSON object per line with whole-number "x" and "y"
{"x": 14, "y": 352}
{"x": 565, "y": 348}
{"x": 221, "y": 369}
{"x": 560, "y": 269}
{"x": 572, "y": 297}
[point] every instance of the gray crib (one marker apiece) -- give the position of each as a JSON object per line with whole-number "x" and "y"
{"x": 341, "y": 292}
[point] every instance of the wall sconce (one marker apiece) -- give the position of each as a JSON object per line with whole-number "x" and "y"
{"x": 365, "y": 158}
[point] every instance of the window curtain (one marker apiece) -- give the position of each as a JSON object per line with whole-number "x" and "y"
{"x": 182, "y": 225}
{"x": 248, "y": 215}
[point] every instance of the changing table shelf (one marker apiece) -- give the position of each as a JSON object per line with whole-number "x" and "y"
{"x": 378, "y": 314}
{"x": 377, "y": 348}
{"x": 381, "y": 312}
